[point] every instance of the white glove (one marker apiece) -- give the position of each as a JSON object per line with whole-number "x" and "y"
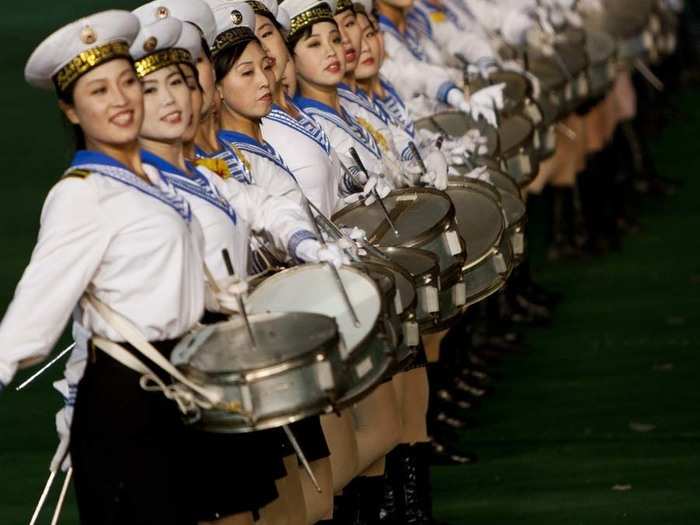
{"x": 475, "y": 143}
{"x": 437, "y": 167}
{"x": 455, "y": 98}
{"x": 231, "y": 290}
{"x": 310, "y": 250}
{"x": 61, "y": 459}
{"x": 354, "y": 233}
{"x": 375, "y": 182}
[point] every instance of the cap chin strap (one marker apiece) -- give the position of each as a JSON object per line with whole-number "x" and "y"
{"x": 190, "y": 397}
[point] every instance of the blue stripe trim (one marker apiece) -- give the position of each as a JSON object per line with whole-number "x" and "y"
{"x": 444, "y": 89}
{"x": 295, "y": 240}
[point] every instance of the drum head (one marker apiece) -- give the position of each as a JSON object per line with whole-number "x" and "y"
{"x": 479, "y": 219}
{"x": 225, "y": 347}
{"x": 415, "y": 212}
{"x": 620, "y": 18}
{"x": 312, "y": 288}
{"x": 547, "y": 72}
{"x": 513, "y": 133}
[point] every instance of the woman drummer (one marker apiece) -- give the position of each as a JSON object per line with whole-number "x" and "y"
{"x": 306, "y": 151}
{"x": 108, "y": 233}
{"x": 315, "y": 43}
{"x": 397, "y": 144}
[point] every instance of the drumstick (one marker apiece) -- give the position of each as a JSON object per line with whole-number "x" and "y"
{"x": 360, "y": 165}
{"x": 239, "y": 299}
{"x": 648, "y": 74}
{"x": 302, "y": 457}
{"x": 45, "y": 367}
{"x": 62, "y": 497}
{"x": 418, "y": 157}
{"x": 334, "y": 270}
{"x": 330, "y": 225}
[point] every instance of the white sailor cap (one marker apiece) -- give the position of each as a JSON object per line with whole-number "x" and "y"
{"x": 264, "y": 7}
{"x": 195, "y": 12}
{"x": 154, "y": 48}
{"x": 363, "y": 6}
{"x": 235, "y": 23}
{"x": 77, "y": 48}
{"x": 191, "y": 40}
{"x": 304, "y": 13}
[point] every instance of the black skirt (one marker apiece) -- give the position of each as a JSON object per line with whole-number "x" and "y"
{"x": 309, "y": 434}
{"x": 126, "y": 449}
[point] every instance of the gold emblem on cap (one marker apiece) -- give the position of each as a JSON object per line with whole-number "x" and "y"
{"x": 150, "y": 44}
{"x": 163, "y": 12}
{"x": 236, "y": 17}
{"x": 88, "y": 36}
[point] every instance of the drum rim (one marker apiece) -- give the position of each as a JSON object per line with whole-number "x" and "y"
{"x": 420, "y": 240}
{"x": 488, "y": 194}
{"x": 377, "y": 322}
{"x": 376, "y": 261}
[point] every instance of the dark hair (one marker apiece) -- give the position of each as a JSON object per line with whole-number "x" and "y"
{"x": 272, "y": 19}
{"x": 206, "y": 49}
{"x": 226, "y": 58}
{"x": 195, "y": 73}
{"x": 305, "y": 33}
{"x": 67, "y": 97}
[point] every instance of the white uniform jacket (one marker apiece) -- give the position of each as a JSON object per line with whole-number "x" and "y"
{"x": 135, "y": 246}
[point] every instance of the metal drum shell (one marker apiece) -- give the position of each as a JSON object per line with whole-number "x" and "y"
{"x": 308, "y": 379}
{"x": 601, "y": 49}
{"x": 364, "y": 365}
{"x": 487, "y": 272}
{"x": 515, "y": 212}
{"x": 395, "y": 315}
{"x": 517, "y": 149}
{"x": 426, "y": 278}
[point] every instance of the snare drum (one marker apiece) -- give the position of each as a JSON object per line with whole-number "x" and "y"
{"x": 405, "y": 300}
{"x": 367, "y": 350}
{"x": 424, "y": 218}
{"x": 481, "y": 223}
{"x": 289, "y": 374}
{"x": 514, "y": 212}
{"x": 517, "y": 150}
{"x": 424, "y": 267}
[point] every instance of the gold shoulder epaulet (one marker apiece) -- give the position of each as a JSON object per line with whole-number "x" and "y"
{"x": 77, "y": 173}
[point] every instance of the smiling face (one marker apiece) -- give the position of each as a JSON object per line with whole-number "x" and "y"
{"x": 370, "y": 51}
{"x": 107, "y": 104}
{"x": 351, "y": 35}
{"x": 319, "y": 58}
{"x": 246, "y": 90}
{"x": 273, "y": 44}
{"x": 167, "y": 105}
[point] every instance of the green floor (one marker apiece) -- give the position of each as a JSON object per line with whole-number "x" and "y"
{"x": 563, "y": 428}
{"x": 599, "y": 422}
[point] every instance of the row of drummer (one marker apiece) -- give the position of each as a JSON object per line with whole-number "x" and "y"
{"x": 202, "y": 128}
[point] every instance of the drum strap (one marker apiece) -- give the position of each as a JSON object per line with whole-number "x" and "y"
{"x": 189, "y": 396}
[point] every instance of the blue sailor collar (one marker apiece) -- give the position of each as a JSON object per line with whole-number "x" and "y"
{"x": 304, "y": 124}
{"x": 247, "y": 143}
{"x": 102, "y": 164}
{"x": 341, "y": 119}
{"x": 395, "y": 107}
{"x": 192, "y": 182}
{"x": 361, "y": 98}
